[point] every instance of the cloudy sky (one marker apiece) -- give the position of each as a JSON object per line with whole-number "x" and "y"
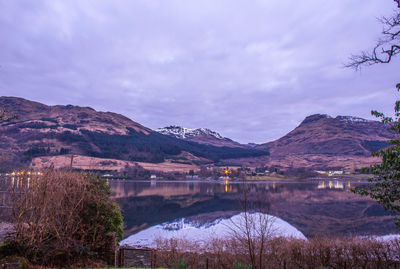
{"x": 248, "y": 69}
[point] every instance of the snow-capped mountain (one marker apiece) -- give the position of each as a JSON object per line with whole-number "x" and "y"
{"x": 43, "y": 130}
{"x": 199, "y": 135}
{"x": 184, "y": 133}
{"x": 351, "y": 119}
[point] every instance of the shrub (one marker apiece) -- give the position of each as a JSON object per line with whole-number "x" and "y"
{"x": 321, "y": 253}
{"x": 62, "y": 217}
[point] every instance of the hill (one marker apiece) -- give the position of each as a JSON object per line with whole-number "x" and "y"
{"x": 42, "y": 130}
{"x": 322, "y": 134}
{"x": 326, "y": 143}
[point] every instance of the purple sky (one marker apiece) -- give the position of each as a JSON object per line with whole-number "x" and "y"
{"x": 250, "y": 70}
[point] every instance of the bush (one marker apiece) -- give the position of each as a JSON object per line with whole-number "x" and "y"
{"x": 336, "y": 252}
{"x": 63, "y": 217}
{"x": 7, "y": 249}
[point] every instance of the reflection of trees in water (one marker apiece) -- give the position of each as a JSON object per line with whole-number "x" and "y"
{"x": 311, "y": 210}
{"x": 169, "y": 188}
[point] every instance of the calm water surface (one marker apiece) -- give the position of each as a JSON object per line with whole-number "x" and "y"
{"x": 316, "y": 208}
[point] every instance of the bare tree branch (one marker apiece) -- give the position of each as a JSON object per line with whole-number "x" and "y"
{"x": 386, "y": 48}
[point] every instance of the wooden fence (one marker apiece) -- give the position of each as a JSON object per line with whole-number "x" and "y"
{"x": 135, "y": 257}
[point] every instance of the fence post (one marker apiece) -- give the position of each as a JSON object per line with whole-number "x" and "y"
{"x": 154, "y": 259}
{"x": 115, "y": 248}
{"x": 116, "y": 257}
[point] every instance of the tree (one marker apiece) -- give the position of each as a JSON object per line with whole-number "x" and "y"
{"x": 386, "y": 187}
{"x": 387, "y": 46}
{"x": 254, "y": 228}
{"x": 64, "y": 217}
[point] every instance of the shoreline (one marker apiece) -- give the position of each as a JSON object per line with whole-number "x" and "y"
{"x": 243, "y": 181}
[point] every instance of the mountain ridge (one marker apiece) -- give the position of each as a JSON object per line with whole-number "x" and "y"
{"x": 200, "y": 135}
{"x": 322, "y": 134}
{"x": 42, "y": 130}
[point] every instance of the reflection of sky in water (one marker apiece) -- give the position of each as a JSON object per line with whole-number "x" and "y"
{"x": 317, "y": 207}
{"x": 171, "y": 188}
{"x": 320, "y": 207}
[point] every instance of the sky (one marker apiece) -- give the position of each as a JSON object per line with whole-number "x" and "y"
{"x": 251, "y": 70}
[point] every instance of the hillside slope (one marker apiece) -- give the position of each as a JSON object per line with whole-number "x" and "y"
{"x": 43, "y": 130}
{"x": 322, "y": 134}
{"x": 324, "y": 142}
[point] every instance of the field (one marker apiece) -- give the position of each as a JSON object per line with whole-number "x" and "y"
{"x": 93, "y": 163}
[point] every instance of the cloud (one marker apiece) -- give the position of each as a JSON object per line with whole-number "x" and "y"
{"x": 249, "y": 70}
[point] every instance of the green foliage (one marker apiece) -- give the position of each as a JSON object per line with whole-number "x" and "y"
{"x": 237, "y": 265}
{"x": 102, "y": 216}
{"x": 180, "y": 265}
{"x": 386, "y": 187}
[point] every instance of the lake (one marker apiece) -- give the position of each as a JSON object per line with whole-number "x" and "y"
{"x": 316, "y": 208}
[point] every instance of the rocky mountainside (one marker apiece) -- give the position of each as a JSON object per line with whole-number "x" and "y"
{"x": 321, "y": 142}
{"x": 322, "y": 134}
{"x": 199, "y": 135}
{"x": 42, "y": 130}
{"x": 70, "y": 118}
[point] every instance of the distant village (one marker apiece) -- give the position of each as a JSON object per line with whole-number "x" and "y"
{"x": 212, "y": 172}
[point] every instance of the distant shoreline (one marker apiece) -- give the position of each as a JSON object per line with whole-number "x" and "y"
{"x": 242, "y": 181}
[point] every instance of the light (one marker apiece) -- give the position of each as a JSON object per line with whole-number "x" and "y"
{"x": 338, "y": 185}
{"x": 321, "y": 185}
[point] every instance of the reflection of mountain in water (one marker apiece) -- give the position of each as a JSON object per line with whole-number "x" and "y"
{"x": 219, "y": 229}
{"x": 313, "y": 208}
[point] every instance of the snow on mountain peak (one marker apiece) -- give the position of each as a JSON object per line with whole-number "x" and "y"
{"x": 182, "y": 133}
{"x": 351, "y": 119}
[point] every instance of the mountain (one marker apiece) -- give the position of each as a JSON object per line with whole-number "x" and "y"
{"x": 321, "y": 142}
{"x": 200, "y": 135}
{"x": 42, "y": 130}
{"x": 322, "y": 134}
